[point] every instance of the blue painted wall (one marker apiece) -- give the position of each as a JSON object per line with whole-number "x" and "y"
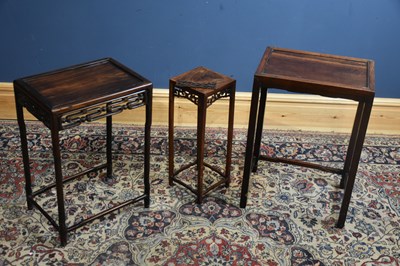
{"x": 160, "y": 39}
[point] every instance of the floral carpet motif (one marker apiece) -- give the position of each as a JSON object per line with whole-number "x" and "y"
{"x": 148, "y": 223}
{"x": 289, "y": 219}
{"x": 212, "y": 209}
{"x": 300, "y": 256}
{"x": 212, "y": 251}
{"x": 271, "y": 226}
{"x": 117, "y": 254}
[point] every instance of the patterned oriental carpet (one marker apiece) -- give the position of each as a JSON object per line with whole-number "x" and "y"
{"x": 289, "y": 219}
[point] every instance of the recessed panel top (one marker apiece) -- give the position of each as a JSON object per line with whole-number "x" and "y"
{"x": 202, "y": 75}
{"x": 83, "y": 84}
{"x": 310, "y": 67}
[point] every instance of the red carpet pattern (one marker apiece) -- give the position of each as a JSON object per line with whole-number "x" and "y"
{"x": 289, "y": 219}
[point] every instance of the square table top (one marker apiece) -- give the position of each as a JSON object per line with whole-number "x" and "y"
{"x": 81, "y": 85}
{"x": 317, "y": 73}
{"x": 202, "y": 80}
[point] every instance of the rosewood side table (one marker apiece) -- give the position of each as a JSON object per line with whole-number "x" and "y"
{"x": 70, "y": 96}
{"x": 312, "y": 73}
{"x": 203, "y": 87}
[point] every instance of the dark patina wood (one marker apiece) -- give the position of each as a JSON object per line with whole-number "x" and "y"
{"x": 312, "y": 73}
{"x": 70, "y": 96}
{"x": 203, "y": 87}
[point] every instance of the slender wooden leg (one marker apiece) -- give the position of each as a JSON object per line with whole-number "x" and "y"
{"x": 62, "y": 228}
{"x": 109, "y": 148}
{"x": 249, "y": 144}
{"x": 171, "y": 134}
{"x": 361, "y": 131}
{"x": 230, "y": 137}
{"x": 201, "y": 128}
{"x": 147, "y": 134}
{"x": 352, "y": 143}
{"x": 260, "y": 121}
{"x": 25, "y": 154}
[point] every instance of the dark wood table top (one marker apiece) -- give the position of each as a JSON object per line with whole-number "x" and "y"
{"x": 323, "y": 74}
{"x": 209, "y": 81}
{"x": 81, "y": 85}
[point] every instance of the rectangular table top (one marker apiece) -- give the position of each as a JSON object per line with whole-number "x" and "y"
{"x": 302, "y": 71}
{"x": 81, "y": 85}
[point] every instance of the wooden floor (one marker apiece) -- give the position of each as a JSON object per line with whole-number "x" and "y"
{"x": 284, "y": 111}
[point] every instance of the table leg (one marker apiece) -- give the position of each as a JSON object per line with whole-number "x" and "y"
{"x": 25, "y": 155}
{"x": 249, "y": 144}
{"x": 230, "y": 136}
{"x": 171, "y": 134}
{"x": 62, "y": 228}
{"x": 352, "y": 143}
{"x": 364, "y": 111}
{"x": 201, "y": 127}
{"x": 109, "y": 148}
{"x": 260, "y": 122}
{"x": 147, "y": 134}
